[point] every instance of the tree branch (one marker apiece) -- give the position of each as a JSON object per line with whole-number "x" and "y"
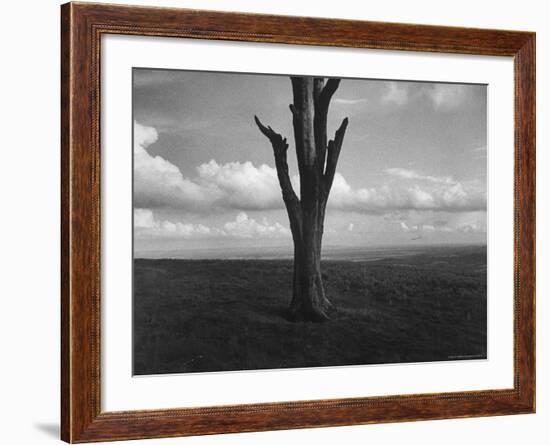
{"x": 323, "y": 94}
{"x": 280, "y": 147}
{"x": 318, "y": 84}
{"x": 334, "y": 147}
{"x": 329, "y": 89}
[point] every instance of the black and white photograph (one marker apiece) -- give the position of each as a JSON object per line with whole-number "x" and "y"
{"x": 291, "y": 221}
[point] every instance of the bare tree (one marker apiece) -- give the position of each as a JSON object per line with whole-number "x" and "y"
{"x": 317, "y": 158}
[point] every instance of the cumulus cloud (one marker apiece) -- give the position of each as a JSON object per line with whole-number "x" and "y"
{"x": 439, "y": 196}
{"x": 395, "y": 93}
{"x": 340, "y": 101}
{"x": 146, "y": 225}
{"x": 159, "y": 183}
{"x": 442, "y": 96}
{"x": 246, "y": 227}
{"x": 411, "y": 174}
{"x": 427, "y": 222}
{"x": 446, "y": 97}
{"x": 144, "y": 136}
{"x": 416, "y": 227}
{"x": 243, "y": 186}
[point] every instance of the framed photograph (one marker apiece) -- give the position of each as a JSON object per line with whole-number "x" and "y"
{"x": 274, "y": 222}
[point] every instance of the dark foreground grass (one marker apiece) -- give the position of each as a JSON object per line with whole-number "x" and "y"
{"x": 222, "y": 315}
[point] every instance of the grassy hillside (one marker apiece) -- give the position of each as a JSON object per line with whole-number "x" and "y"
{"x": 221, "y": 315}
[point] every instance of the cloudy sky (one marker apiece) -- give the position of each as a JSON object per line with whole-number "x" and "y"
{"x": 412, "y": 168}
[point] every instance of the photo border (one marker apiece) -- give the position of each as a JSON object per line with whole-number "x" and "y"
{"x": 82, "y": 25}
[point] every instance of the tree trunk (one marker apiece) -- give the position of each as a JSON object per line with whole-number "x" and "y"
{"x": 309, "y": 302}
{"x": 307, "y": 214}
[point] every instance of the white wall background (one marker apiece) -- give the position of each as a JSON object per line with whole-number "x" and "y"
{"x": 29, "y": 225}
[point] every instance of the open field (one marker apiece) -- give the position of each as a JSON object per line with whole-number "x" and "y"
{"x": 426, "y": 304}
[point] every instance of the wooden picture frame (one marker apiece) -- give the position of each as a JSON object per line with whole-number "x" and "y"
{"x": 82, "y": 26}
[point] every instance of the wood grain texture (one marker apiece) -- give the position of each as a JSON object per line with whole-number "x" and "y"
{"x": 65, "y": 227}
{"x": 82, "y": 27}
